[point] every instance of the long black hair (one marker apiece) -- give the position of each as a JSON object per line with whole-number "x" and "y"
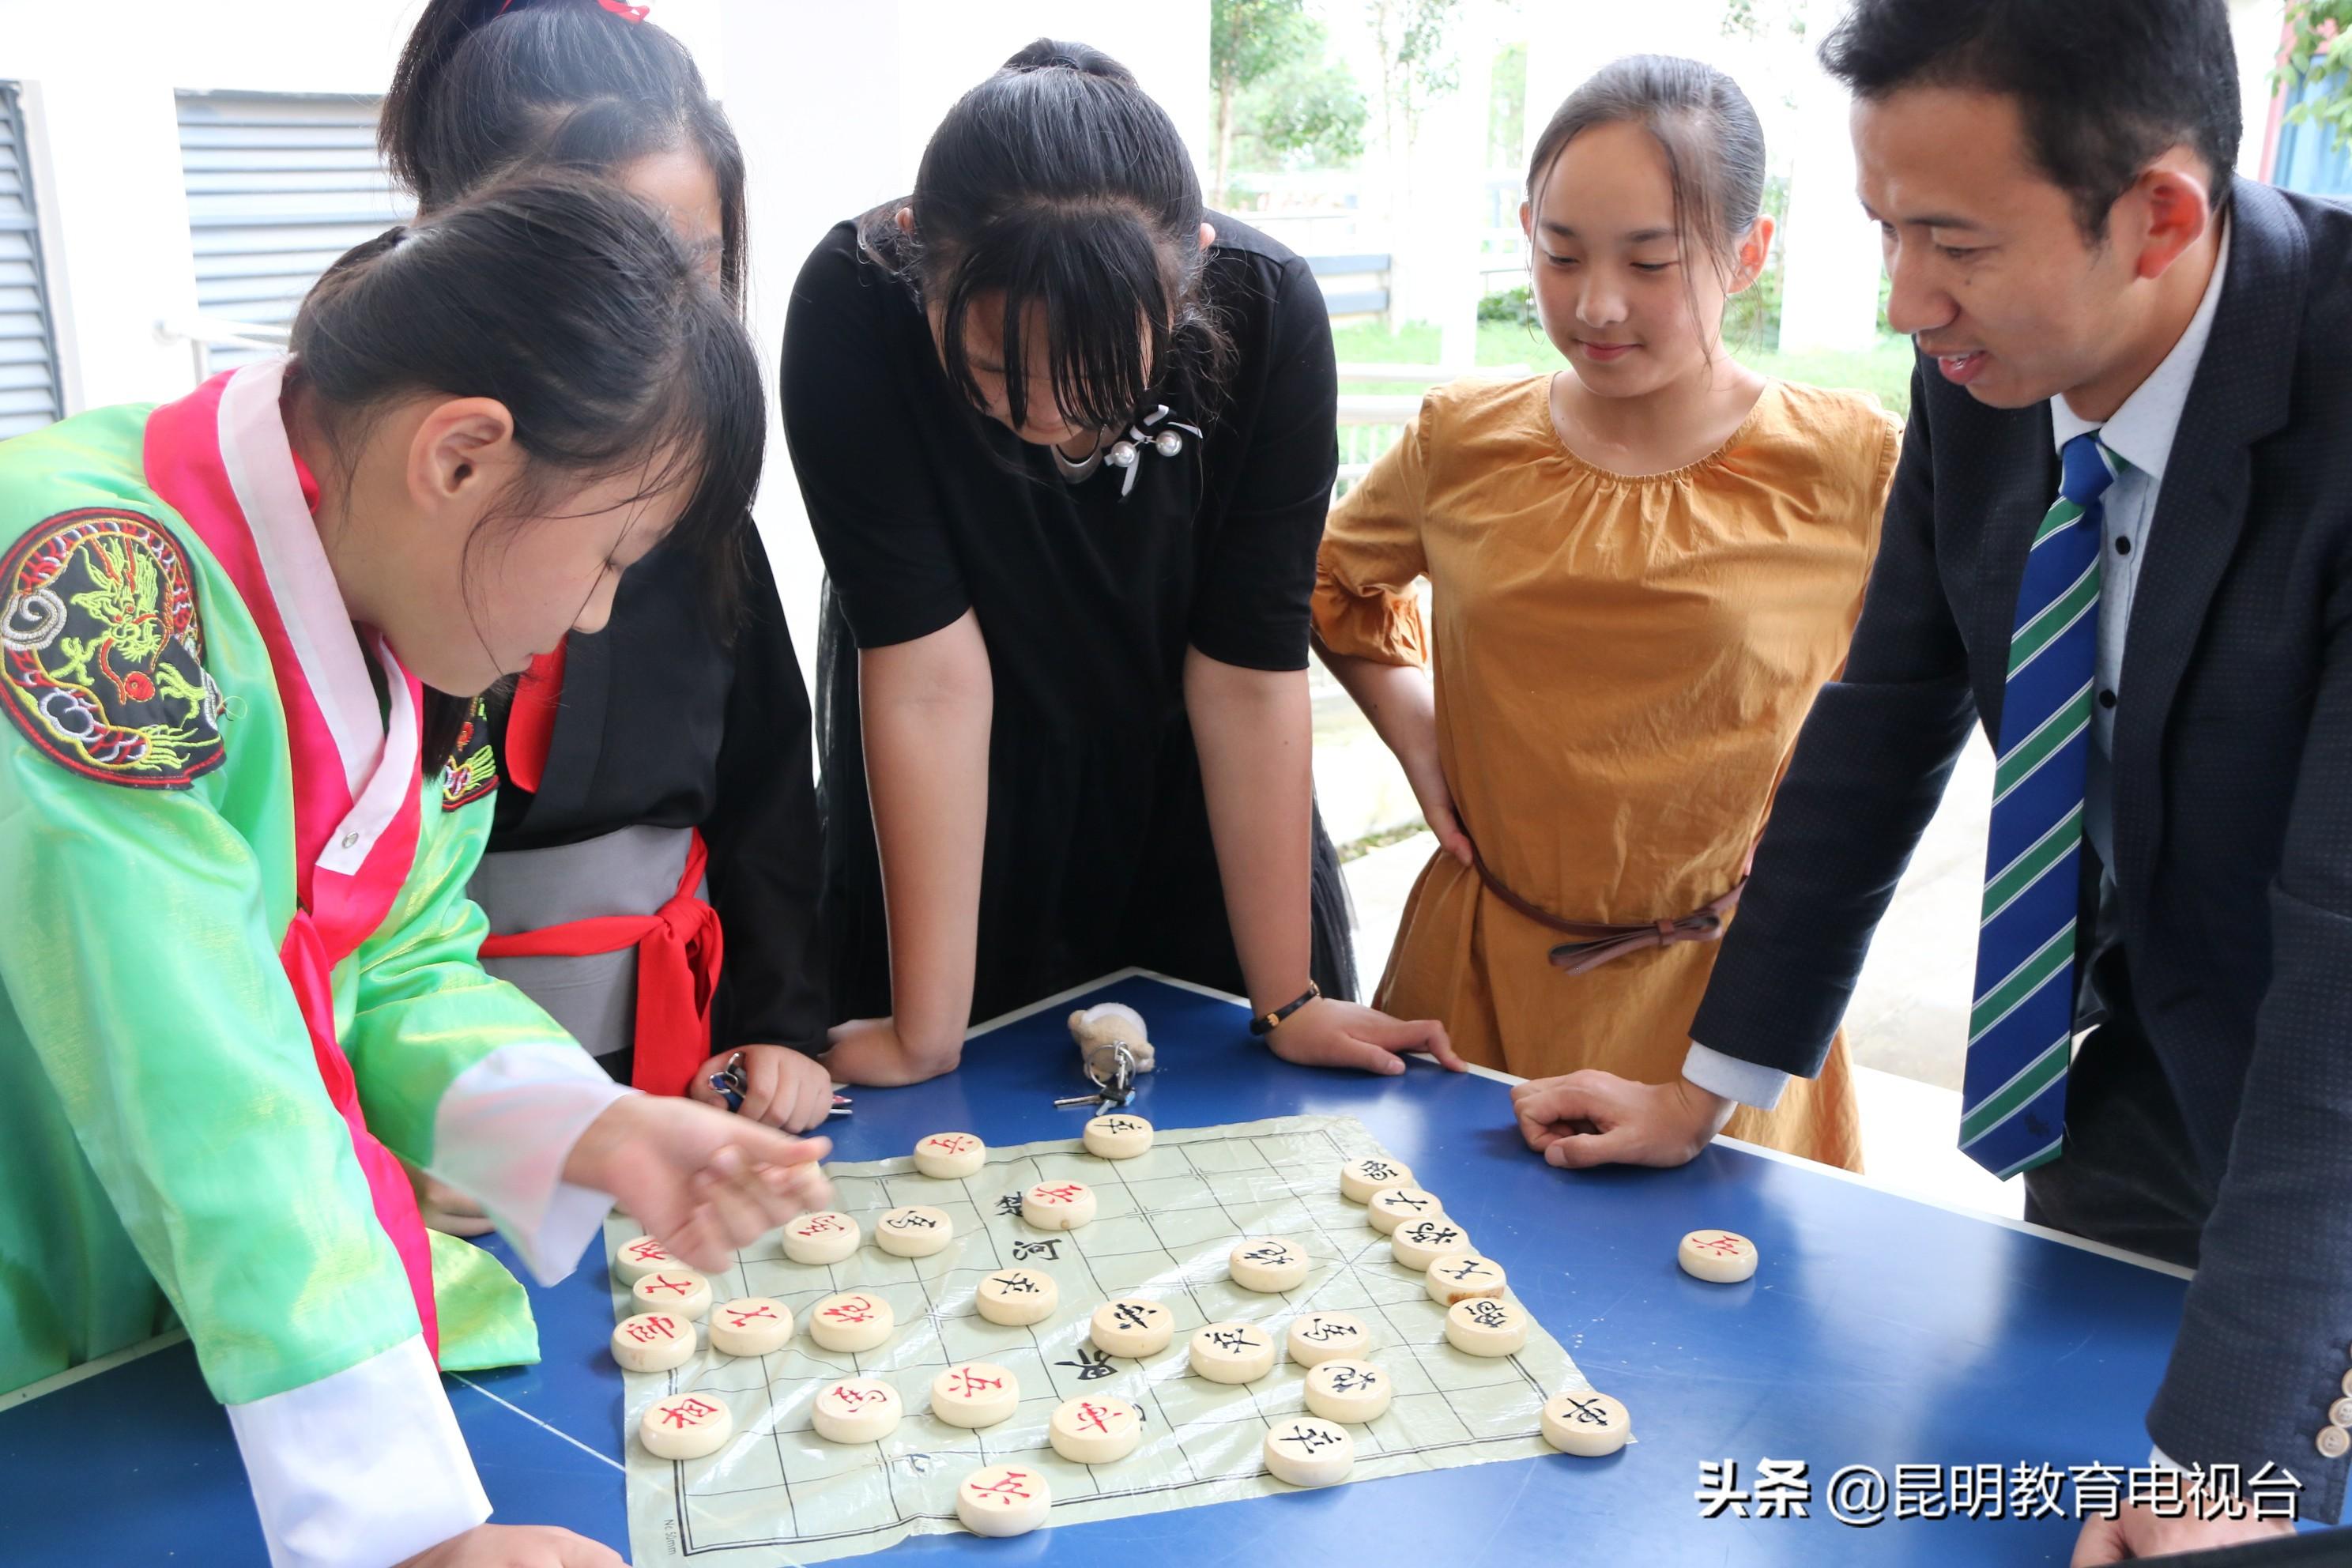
{"x": 1057, "y": 182}
{"x": 483, "y": 89}
{"x": 575, "y": 306}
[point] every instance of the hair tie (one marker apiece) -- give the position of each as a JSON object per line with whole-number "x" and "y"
{"x": 625, "y": 13}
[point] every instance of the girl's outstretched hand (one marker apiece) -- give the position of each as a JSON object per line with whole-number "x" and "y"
{"x": 702, "y": 1182}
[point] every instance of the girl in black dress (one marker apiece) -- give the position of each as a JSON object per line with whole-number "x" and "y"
{"x": 1067, "y": 441}
{"x": 679, "y": 733}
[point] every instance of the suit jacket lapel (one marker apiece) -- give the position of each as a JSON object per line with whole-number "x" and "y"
{"x": 2240, "y": 395}
{"x": 2007, "y": 510}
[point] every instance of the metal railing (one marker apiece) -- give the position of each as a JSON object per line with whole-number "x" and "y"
{"x": 1370, "y": 421}
{"x": 1369, "y": 424}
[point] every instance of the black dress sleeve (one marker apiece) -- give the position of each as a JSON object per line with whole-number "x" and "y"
{"x": 766, "y": 855}
{"x": 1251, "y": 609}
{"x": 851, "y": 427}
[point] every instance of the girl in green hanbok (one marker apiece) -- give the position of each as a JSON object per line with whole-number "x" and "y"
{"x": 242, "y": 638}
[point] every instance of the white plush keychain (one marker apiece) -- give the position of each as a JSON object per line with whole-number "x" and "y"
{"x": 1104, "y": 1025}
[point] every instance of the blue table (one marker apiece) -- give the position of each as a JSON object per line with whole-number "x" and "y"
{"x": 1879, "y": 1330}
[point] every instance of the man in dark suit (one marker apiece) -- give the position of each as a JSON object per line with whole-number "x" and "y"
{"x": 2120, "y": 537}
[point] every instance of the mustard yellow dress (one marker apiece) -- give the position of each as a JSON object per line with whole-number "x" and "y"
{"x": 1622, "y": 664}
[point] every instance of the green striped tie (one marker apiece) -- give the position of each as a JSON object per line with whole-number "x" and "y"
{"x": 2022, "y": 1029}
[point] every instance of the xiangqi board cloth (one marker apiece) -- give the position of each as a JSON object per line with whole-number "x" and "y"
{"x": 1167, "y": 1220}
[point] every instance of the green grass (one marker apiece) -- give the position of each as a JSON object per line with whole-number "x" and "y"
{"x": 1885, "y": 372}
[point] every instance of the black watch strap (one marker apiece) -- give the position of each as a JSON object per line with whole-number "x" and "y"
{"x": 1266, "y": 1023}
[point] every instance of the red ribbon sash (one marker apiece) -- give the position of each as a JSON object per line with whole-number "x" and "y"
{"x": 679, "y": 951}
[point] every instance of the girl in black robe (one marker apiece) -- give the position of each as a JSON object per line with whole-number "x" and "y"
{"x": 677, "y": 736}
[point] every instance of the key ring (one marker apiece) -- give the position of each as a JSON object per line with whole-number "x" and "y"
{"x": 729, "y": 1082}
{"x": 1115, "y": 1077}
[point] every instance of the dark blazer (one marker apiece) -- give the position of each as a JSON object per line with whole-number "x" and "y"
{"x": 2232, "y": 783}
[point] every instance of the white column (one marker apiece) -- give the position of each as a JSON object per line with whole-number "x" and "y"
{"x": 1434, "y": 255}
{"x": 1831, "y": 260}
{"x": 2256, "y": 27}
{"x": 814, "y": 91}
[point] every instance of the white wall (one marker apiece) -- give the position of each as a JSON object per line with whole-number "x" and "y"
{"x": 106, "y": 152}
{"x": 98, "y": 85}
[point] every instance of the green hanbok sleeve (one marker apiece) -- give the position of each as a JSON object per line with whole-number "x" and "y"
{"x": 140, "y": 962}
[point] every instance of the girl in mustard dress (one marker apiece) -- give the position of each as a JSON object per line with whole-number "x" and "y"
{"x": 1643, "y": 568}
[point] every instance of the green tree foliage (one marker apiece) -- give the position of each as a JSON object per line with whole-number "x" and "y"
{"x": 1280, "y": 102}
{"x": 2320, "y": 48}
{"x": 1417, "y": 58}
{"x": 1418, "y": 65}
{"x": 1754, "y": 18}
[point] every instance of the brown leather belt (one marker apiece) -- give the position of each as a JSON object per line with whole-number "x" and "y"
{"x": 1594, "y": 943}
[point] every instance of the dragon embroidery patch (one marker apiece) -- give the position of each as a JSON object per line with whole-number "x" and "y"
{"x": 102, "y": 651}
{"x": 473, "y": 769}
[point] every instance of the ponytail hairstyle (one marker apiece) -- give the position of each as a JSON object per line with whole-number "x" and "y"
{"x": 1713, "y": 144}
{"x": 573, "y": 305}
{"x": 484, "y": 88}
{"x": 1058, "y": 183}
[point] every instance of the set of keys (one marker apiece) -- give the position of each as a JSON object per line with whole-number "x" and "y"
{"x": 1111, "y": 1069}
{"x": 730, "y": 1083}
